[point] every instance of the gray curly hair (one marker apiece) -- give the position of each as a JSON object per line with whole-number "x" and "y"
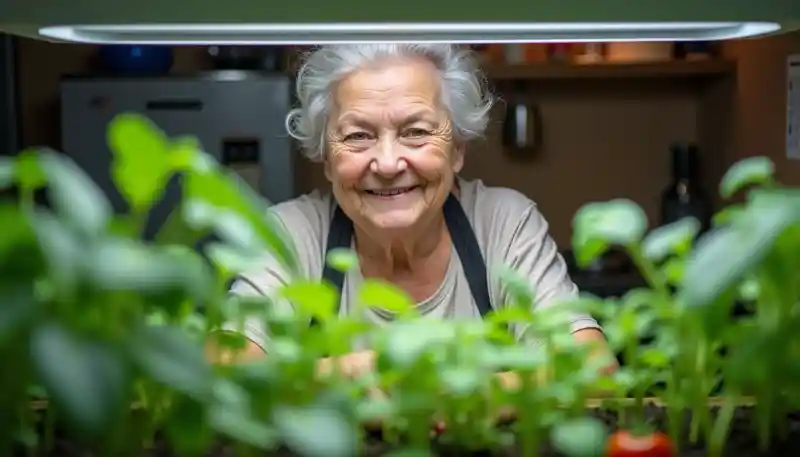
{"x": 464, "y": 92}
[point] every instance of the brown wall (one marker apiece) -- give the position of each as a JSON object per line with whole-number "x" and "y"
{"x": 761, "y": 101}
{"x": 601, "y": 140}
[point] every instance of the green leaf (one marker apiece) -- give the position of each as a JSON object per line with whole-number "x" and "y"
{"x": 462, "y": 381}
{"x": 141, "y": 164}
{"x": 21, "y": 259}
{"x": 85, "y": 379}
{"x": 18, "y": 311}
{"x": 581, "y": 437}
{"x": 510, "y": 315}
{"x": 188, "y": 432}
{"x": 176, "y": 230}
{"x": 220, "y": 189}
{"x": 410, "y": 453}
{"x": 313, "y": 299}
{"x": 787, "y": 198}
{"x": 317, "y": 432}
{"x": 232, "y": 417}
{"x": 750, "y": 171}
{"x": 342, "y": 259}
{"x": 724, "y": 256}
{"x": 375, "y": 293}
{"x": 75, "y": 197}
{"x": 243, "y": 428}
{"x": 673, "y": 270}
{"x": 62, "y": 250}
{"x": 517, "y": 288}
{"x": 286, "y": 350}
{"x": 515, "y": 358}
{"x": 728, "y": 215}
{"x": 597, "y": 226}
{"x": 184, "y": 152}
{"x": 169, "y": 356}
{"x": 404, "y": 342}
{"x": 231, "y": 227}
{"x": 121, "y": 264}
{"x": 655, "y": 357}
{"x": 230, "y": 260}
{"x": 375, "y": 408}
{"x": 30, "y": 175}
{"x": 674, "y": 238}
{"x": 750, "y": 289}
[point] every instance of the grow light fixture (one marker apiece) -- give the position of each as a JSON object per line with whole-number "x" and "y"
{"x": 318, "y": 33}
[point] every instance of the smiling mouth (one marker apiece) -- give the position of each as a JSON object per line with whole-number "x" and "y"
{"x": 391, "y": 192}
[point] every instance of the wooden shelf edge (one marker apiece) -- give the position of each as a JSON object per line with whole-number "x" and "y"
{"x": 595, "y": 403}
{"x": 611, "y": 70}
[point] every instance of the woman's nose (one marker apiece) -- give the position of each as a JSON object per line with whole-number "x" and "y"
{"x": 389, "y": 159}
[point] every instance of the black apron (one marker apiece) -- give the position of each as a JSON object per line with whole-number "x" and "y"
{"x": 469, "y": 252}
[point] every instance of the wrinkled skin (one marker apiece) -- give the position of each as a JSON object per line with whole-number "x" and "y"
{"x": 388, "y": 131}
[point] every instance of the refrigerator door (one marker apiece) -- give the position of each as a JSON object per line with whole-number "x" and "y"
{"x": 241, "y": 121}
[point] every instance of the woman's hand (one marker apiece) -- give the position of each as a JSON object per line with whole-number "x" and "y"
{"x": 352, "y": 365}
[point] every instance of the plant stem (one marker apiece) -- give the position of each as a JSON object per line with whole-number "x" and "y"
{"x": 26, "y": 200}
{"x": 49, "y": 428}
{"x": 719, "y": 434}
{"x": 528, "y": 429}
{"x": 699, "y": 393}
{"x": 763, "y": 417}
{"x": 419, "y": 430}
{"x": 649, "y": 271}
{"x": 675, "y": 412}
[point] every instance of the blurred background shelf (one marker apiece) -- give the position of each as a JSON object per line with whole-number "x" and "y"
{"x": 671, "y": 69}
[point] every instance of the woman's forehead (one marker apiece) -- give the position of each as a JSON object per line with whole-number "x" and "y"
{"x": 409, "y": 79}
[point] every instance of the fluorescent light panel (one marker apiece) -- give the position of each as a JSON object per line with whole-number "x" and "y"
{"x": 316, "y": 33}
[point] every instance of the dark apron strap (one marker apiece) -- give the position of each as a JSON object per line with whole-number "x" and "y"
{"x": 464, "y": 240}
{"x": 469, "y": 251}
{"x": 340, "y": 235}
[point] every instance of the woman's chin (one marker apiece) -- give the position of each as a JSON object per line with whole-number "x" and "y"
{"x": 394, "y": 220}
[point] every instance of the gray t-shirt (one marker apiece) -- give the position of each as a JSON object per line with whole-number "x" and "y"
{"x": 510, "y": 231}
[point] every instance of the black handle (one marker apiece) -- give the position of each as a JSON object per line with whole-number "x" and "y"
{"x": 175, "y": 104}
{"x": 522, "y": 128}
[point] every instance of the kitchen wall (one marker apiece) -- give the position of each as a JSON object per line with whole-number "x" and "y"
{"x": 601, "y": 140}
{"x": 760, "y": 103}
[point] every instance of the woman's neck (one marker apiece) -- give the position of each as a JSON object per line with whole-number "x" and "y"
{"x": 402, "y": 254}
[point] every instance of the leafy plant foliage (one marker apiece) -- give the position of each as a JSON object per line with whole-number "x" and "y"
{"x": 108, "y": 331}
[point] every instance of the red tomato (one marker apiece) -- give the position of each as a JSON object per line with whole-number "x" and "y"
{"x": 625, "y": 444}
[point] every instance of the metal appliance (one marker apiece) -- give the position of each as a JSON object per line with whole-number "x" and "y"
{"x": 237, "y": 116}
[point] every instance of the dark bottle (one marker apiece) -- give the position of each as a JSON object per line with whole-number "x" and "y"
{"x": 684, "y": 197}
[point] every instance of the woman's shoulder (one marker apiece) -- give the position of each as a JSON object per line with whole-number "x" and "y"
{"x": 497, "y": 204}
{"x": 306, "y": 220}
{"x": 499, "y": 216}
{"x": 311, "y": 208}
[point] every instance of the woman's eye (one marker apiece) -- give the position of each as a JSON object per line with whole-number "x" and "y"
{"x": 416, "y": 133}
{"x": 358, "y": 136}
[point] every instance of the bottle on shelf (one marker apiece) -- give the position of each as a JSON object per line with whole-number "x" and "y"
{"x": 684, "y": 196}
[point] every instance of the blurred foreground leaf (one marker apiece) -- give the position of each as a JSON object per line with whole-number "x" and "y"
{"x": 597, "y": 226}
{"x": 85, "y": 379}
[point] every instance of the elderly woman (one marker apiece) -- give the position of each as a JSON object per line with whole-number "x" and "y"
{"x": 391, "y": 124}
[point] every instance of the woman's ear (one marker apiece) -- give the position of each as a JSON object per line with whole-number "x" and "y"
{"x": 458, "y": 158}
{"x": 327, "y": 167}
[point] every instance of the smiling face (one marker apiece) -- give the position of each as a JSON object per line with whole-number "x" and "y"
{"x": 391, "y": 156}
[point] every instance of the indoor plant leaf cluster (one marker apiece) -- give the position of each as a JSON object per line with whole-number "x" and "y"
{"x": 108, "y": 333}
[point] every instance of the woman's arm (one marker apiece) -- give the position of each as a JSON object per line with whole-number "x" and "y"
{"x": 533, "y": 254}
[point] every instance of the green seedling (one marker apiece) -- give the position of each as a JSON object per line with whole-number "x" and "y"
{"x": 108, "y": 332}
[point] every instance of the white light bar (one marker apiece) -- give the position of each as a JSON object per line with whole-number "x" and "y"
{"x": 316, "y": 33}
